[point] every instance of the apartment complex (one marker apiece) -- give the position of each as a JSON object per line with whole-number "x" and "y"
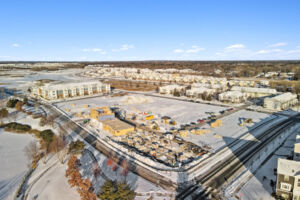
{"x": 288, "y": 179}
{"x": 281, "y": 102}
{"x": 288, "y": 175}
{"x": 70, "y": 89}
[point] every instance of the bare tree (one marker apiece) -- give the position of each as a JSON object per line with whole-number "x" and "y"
{"x": 58, "y": 146}
{"x": 31, "y": 151}
{"x": 19, "y": 105}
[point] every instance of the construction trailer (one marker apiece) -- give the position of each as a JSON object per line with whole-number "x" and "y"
{"x": 246, "y": 121}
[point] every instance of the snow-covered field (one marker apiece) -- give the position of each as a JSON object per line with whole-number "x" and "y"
{"x": 13, "y": 162}
{"x": 26, "y": 78}
{"x": 181, "y": 111}
{"x": 48, "y": 181}
{"x": 230, "y": 130}
{"x": 258, "y": 187}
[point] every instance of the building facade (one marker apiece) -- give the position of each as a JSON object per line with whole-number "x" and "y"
{"x": 232, "y": 96}
{"x": 255, "y": 92}
{"x": 281, "y": 102}
{"x": 288, "y": 179}
{"x": 70, "y": 90}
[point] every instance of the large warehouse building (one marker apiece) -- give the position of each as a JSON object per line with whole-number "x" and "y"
{"x": 69, "y": 90}
{"x": 281, "y": 102}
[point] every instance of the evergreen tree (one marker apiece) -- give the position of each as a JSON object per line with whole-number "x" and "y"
{"x": 112, "y": 190}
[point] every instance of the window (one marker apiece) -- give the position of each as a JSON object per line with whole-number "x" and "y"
{"x": 298, "y": 182}
{"x": 286, "y": 178}
{"x": 285, "y": 186}
{"x": 296, "y": 198}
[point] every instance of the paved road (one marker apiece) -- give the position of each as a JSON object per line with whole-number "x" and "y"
{"x": 223, "y": 171}
{"x": 101, "y": 147}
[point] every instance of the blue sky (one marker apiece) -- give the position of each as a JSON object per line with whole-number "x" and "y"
{"x": 149, "y": 30}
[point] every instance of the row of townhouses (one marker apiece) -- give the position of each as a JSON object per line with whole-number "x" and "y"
{"x": 288, "y": 175}
{"x": 166, "y": 75}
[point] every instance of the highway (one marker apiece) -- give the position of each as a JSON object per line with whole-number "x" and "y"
{"x": 221, "y": 173}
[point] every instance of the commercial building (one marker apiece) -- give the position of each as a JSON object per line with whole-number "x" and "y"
{"x": 70, "y": 89}
{"x": 102, "y": 113}
{"x": 288, "y": 179}
{"x": 117, "y": 127}
{"x": 281, "y": 102}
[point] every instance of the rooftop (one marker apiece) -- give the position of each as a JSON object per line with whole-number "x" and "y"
{"x": 288, "y": 167}
{"x": 251, "y": 89}
{"x": 62, "y": 85}
{"x": 117, "y": 124}
{"x": 285, "y": 96}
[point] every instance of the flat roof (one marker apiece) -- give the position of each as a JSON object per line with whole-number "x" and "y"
{"x": 117, "y": 124}
{"x": 288, "y": 167}
{"x": 63, "y": 85}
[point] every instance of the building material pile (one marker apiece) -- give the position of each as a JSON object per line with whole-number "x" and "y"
{"x": 216, "y": 123}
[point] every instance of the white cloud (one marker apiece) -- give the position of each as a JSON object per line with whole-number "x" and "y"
{"x": 94, "y": 50}
{"x": 298, "y": 46}
{"x": 293, "y": 51}
{"x": 194, "y": 49}
{"x": 124, "y": 47}
{"x": 178, "y": 51}
{"x": 235, "y": 46}
{"x": 16, "y": 45}
{"x": 279, "y": 44}
{"x": 264, "y": 51}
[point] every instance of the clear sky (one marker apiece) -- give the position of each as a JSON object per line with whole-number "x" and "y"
{"x": 101, "y": 30}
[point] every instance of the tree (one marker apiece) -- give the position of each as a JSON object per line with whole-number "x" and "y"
{"x": 112, "y": 190}
{"x": 43, "y": 121}
{"x": 3, "y": 114}
{"x": 11, "y": 103}
{"x": 25, "y": 100}
{"x": 58, "y": 145}
{"x": 47, "y": 137}
{"x": 19, "y": 105}
{"x": 85, "y": 190}
{"x": 75, "y": 178}
{"x": 31, "y": 152}
{"x": 76, "y": 147}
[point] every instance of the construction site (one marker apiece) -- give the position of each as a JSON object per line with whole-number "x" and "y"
{"x": 150, "y": 129}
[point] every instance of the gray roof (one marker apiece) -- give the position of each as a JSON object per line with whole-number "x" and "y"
{"x": 288, "y": 167}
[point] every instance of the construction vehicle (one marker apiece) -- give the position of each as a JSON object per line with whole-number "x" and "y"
{"x": 172, "y": 122}
{"x": 149, "y": 117}
{"x": 246, "y": 121}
